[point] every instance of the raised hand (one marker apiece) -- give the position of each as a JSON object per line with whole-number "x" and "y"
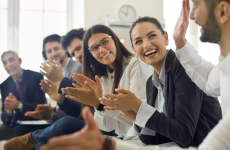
{"x": 52, "y": 90}
{"x": 89, "y": 138}
{"x": 86, "y": 96}
{"x": 42, "y": 112}
{"x": 53, "y": 71}
{"x": 182, "y": 25}
{"x": 124, "y": 101}
{"x": 11, "y": 103}
{"x": 80, "y": 79}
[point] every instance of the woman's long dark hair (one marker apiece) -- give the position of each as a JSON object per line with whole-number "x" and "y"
{"x": 92, "y": 67}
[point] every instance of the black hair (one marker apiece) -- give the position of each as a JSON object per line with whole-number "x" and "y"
{"x": 51, "y": 38}
{"x": 68, "y": 38}
{"x": 146, "y": 19}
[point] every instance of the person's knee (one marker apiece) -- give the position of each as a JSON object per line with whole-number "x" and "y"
{"x": 68, "y": 124}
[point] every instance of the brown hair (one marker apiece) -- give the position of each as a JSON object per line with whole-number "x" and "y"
{"x": 92, "y": 67}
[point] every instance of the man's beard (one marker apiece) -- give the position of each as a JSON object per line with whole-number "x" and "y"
{"x": 211, "y": 30}
{"x": 62, "y": 59}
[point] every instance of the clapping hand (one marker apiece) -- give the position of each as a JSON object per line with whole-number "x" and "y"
{"x": 53, "y": 71}
{"x": 42, "y": 112}
{"x": 87, "y": 92}
{"x": 52, "y": 90}
{"x": 125, "y": 100}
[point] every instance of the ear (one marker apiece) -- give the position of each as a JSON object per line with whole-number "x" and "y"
{"x": 222, "y": 12}
{"x": 166, "y": 38}
{"x": 20, "y": 60}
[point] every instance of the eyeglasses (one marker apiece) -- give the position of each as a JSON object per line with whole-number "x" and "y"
{"x": 104, "y": 43}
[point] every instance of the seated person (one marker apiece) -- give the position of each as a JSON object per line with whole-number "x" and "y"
{"x": 176, "y": 110}
{"x": 117, "y": 67}
{"x": 20, "y": 93}
{"x": 52, "y": 51}
{"x": 71, "y": 42}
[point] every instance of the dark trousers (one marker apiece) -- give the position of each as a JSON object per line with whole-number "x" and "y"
{"x": 24, "y": 129}
{"x": 6, "y": 132}
{"x": 63, "y": 126}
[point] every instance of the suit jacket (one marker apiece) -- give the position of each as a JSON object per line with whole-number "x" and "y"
{"x": 191, "y": 114}
{"x": 32, "y": 94}
{"x": 73, "y": 67}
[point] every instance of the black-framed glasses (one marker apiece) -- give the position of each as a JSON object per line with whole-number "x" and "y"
{"x": 104, "y": 43}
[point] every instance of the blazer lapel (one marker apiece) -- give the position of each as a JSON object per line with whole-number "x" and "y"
{"x": 152, "y": 94}
{"x": 13, "y": 88}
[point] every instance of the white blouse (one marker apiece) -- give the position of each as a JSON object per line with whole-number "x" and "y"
{"x": 134, "y": 79}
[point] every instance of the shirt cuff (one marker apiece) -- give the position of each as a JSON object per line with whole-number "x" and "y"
{"x": 133, "y": 131}
{"x": 186, "y": 53}
{"x": 144, "y": 113}
{"x": 20, "y": 105}
{"x": 147, "y": 131}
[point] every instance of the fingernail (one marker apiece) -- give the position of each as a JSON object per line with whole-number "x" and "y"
{"x": 100, "y": 99}
{"x": 86, "y": 82}
{"x": 116, "y": 89}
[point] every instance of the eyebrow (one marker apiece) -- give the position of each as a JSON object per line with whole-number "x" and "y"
{"x": 100, "y": 42}
{"x": 77, "y": 47}
{"x": 146, "y": 35}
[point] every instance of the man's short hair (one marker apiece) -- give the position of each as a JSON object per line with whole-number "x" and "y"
{"x": 212, "y": 4}
{"x": 51, "y": 38}
{"x": 68, "y": 38}
{"x": 9, "y": 52}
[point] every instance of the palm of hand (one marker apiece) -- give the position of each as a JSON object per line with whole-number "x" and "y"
{"x": 53, "y": 92}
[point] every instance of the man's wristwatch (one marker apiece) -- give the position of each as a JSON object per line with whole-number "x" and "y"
{"x": 100, "y": 107}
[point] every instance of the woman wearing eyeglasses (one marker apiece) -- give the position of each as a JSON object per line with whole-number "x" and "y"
{"x": 113, "y": 66}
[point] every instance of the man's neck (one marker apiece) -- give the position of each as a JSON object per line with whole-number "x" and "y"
{"x": 225, "y": 42}
{"x": 18, "y": 75}
{"x": 64, "y": 61}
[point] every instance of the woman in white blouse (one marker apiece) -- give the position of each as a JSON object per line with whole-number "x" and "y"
{"x": 115, "y": 67}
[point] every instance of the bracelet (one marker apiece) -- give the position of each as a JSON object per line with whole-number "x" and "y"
{"x": 107, "y": 144}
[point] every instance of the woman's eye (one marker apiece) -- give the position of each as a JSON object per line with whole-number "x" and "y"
{"x": 138, "y": 42}
{"x": 152, "y": 35}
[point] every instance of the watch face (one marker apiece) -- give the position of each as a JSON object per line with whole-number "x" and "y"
{"x": 127, "y": 13}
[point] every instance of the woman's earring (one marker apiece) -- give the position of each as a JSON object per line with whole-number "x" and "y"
{"x": 167, "y": 44}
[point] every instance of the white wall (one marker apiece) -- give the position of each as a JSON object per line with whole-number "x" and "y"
{"x": 97, "y": 10}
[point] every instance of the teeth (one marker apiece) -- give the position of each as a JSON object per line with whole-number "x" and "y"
{"x": 106, "y": 55}
{"x": 149, "y": 52}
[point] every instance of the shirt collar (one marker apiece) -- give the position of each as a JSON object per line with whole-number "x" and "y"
{"x": 65, "y": 67}
{"x": 161, "y": 79}
{"x": 20, "y": 79}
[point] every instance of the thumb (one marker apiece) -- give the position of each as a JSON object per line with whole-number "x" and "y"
{"x": 57, "y": 63}
{"x": 88, "y": 118}
{"x": 122, "y": 91}
{"x": 10, "y": 94}
{"x": 98, "y": 80}
{"x": 88, "y": 86}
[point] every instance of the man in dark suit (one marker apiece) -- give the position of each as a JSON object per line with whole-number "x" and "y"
{"x": 20, "y": 93}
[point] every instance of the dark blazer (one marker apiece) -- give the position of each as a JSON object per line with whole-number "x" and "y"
{"x": 191, "y": 114}
{"x": 70, "y": 107}
{"x": 32, "y": 94}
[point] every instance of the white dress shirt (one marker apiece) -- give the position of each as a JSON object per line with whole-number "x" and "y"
{"x": 213, "y": 80}
{"x": 134, "y": 79}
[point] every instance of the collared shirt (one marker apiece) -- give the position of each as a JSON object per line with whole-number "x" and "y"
{"x": 146, "y": 111}
{"x": 214, "y": 81}
{"x": 65, "y": 68}
{"x": 134, "y": 78}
